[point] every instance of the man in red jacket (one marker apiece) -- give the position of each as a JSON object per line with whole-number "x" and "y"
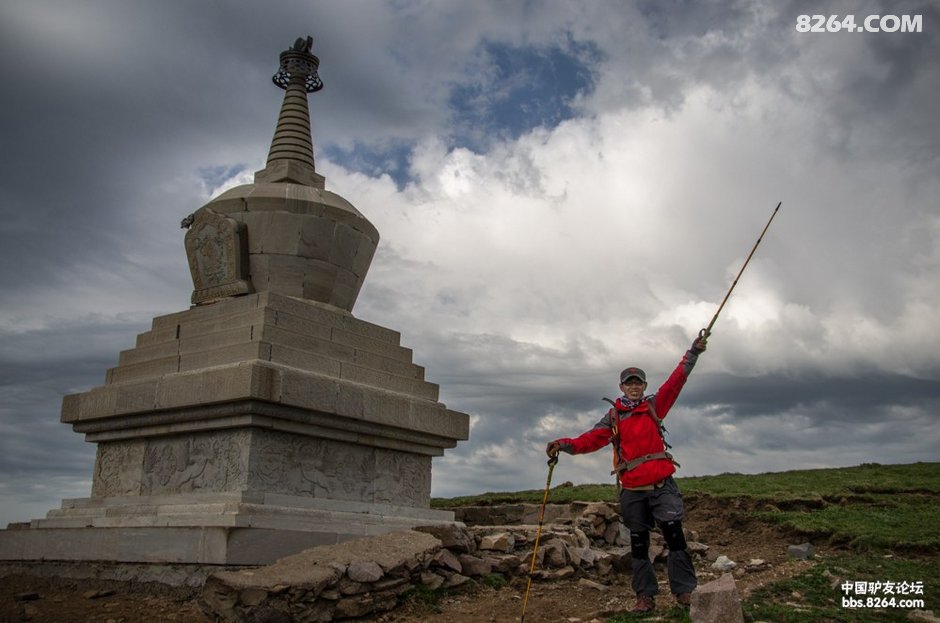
{"x": 648, "y": 492}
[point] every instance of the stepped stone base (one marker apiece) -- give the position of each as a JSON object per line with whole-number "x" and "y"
{"x": 247, "y": 430}
{"x": 195, "y": 531}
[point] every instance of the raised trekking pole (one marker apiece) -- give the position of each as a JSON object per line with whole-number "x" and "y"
{"x": 708, "y": 330}
{"x": 552, "y": 461}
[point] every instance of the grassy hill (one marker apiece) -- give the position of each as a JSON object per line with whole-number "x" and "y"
{"x": 866, "y": 506}
{"x": 883, "y": 522}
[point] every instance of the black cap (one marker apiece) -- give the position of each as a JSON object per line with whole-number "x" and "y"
{"x": 629, "y": 372}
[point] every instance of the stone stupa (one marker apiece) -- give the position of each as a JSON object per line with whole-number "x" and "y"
{"x": 266, "y": 418}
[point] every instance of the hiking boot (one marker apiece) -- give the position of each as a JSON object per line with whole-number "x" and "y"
{"x": 644, "y": 603}
{"x": 684, "y": 600}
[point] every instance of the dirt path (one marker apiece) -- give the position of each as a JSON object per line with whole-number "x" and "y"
{"x": 725, "y": 528}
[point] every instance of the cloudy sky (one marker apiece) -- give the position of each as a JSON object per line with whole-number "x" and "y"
{"x": 562, "y": 188}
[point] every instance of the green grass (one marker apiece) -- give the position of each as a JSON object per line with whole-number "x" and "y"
{"x": 810, "y": 485}
{"x": 886, "y": 518}
{"x": 907, "y": 522}
{"x": 866, "y": 507}
{"x": 816, "y": 594}
{"x": 813, "y": 484}
{"x": 558, "y": 495}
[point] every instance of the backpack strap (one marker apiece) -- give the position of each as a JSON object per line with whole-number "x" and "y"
{"x": 658, "y": 420}
{"x": 614, "y": 418}
{"x": 620, "y": 465}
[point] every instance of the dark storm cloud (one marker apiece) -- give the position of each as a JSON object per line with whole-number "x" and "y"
{"x": 594, "y": 126}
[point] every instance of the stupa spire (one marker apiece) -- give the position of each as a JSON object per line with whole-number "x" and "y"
{"x": 290, "y": 158}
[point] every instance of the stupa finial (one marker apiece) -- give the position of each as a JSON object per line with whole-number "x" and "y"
{"x": 290, "y": 159}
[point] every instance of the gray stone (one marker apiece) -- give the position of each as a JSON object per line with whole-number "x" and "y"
{"x": 508, "y": 563}
{"x": 473, "y": 566}
{"x": 432, "y": 580}
{"x": 357, "y": 606}
{"x": 554, "y": 553}
{"x": 452, "y": 536}
{"x": 723, "y": 563}
{"x": 586, "y": 583}
{"x": 695, "y": 547}
{"x": 455, "y": 580}
{"x": 562, "y": 574}
{"x": 500, "y": 542}
{"x": 364, "y": 571}
{"x": 803, "y": 551}
{"x": 447, "y": 560}
{"x": 612, "y": 532}
{"x": 313, "y": 571}
{"x": 922, "y": 616}
{"x": 717, "y": 602}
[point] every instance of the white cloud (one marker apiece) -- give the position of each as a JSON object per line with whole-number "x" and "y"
{"x": 526, "y": 274}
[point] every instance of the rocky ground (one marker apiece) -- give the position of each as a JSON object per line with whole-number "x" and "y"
{"x": 724, "y": 527}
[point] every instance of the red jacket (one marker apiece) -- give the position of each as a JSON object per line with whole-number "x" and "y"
{"x": 639, "y": 434}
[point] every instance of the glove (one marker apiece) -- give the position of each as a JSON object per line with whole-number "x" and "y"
{"x": 552, "y": 448}
{"x": 699, "y": 345}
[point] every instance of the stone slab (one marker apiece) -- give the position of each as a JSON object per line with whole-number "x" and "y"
{"x": 196, "y": 543}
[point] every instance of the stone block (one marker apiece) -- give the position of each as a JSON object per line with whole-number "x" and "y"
{"x": 144, "y": 370}
{"x": 346, "y": 286}
{"x": 143, "y": 354}
{"x": 717, "y": 602}
{"x": 135, "y": 397}
{"x": 300, "y": 325}
{"x": 303, "y": 360}
{"x": 223, "y": 321}
{"x": 348, "y": 243}
{"x": 452, "y": 537}
{"x": 392, "y": 382}
{"x": 309, "y": 391}
{"x": 96, "y": 403}
{"x": 499, "y": 542}
{"x": 321, "y": 313}
{"x": 258, "y": 224}
{"x": 380, "y": 363}
{"x": 212, "y": 341}
{"x": 367, "y": 344}
{"x": 222, "y": 384}
{"x": 231, "y": 354}
{"x": 275, "y": 334}
{"x": 259, "y": 266}
{"x": 156, "y": 336}
{"x": 319, "y": 279}
{"x": 280, "y": 232}
{"x": 170, "y": 323}
{"x": 474, "y": 566}
{"x": 287, "y": 274}
{"x": 316, "y": 237}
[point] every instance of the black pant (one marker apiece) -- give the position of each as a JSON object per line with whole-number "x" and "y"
{"x": 663, "y": 505}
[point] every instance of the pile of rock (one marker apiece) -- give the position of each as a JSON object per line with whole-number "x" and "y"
{"x": 369, "y": 575}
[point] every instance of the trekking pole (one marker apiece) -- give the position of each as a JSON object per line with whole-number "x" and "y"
{"x": 538, "y": 533}
{"x": 708, "y": 330}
